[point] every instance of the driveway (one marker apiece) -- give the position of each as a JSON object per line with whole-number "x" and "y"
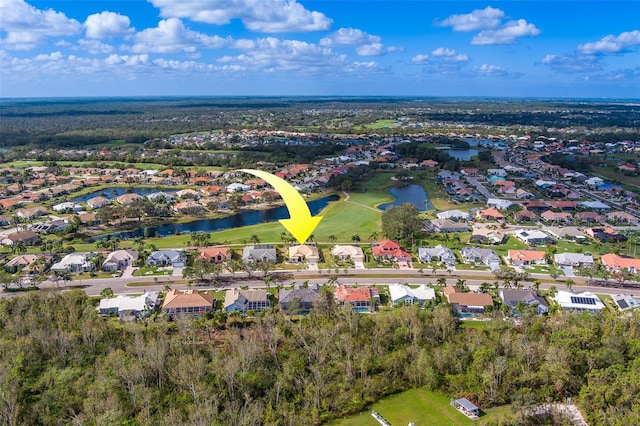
{"x": 177, "y": 272}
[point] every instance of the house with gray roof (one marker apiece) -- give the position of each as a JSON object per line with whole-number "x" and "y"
{"x": 246, "y": 300}
{"x": 437, "y": 253}
{"x": 173, "y": 258}
{"x": 260, "y": 253}
{"x": 448, "y": 225}
{"x": 477, "y": 255}
{"x": 456, "y": 215}
{"x": 303, "y": 297}
{"x": 512, "y": 297}
{"x": 571, "y": 233}
{"x": 572, "y": 259}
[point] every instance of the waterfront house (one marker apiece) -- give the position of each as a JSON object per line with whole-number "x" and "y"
{"x": 120, "y": 260}
{"x": 217, "y": 254}
{"x": 260, "y": 253}
{"x": 173, "y": 258}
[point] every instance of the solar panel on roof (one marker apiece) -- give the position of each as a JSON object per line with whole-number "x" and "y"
{"x": 583, "y": 300}
{"x": 622, "y": 303}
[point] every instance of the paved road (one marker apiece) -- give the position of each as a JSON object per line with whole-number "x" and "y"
{"x": 473, "y": 279}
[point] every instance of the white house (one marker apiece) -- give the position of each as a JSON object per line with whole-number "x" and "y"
{"x": 453, "y": 215}
{"x": 137, "y": 306}
{"x": 67, "y": 206}
{"x": 238, "y": 187}
{"x": 533, "y": 237}
{"x": 497, "y": 172}
{"x": 586, "y": 301}
{"x": 74, "y": 262}
{"x": 499, "y": 203}
{"x": 402, "y": 293}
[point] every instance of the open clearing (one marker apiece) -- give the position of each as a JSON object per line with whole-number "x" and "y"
{"x": 423, "y": 407}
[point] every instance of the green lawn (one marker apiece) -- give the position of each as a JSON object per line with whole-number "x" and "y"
{"x": 380, "y": 124}
{"x": 423, "y": 407}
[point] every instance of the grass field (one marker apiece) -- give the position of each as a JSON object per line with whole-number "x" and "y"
{"x": 380, "y": 124}
{"x": 424, "y": 408}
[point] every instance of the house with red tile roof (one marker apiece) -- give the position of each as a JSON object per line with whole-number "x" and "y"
{"x": 217, "y": 254}
{"x": 388, "y": 249}
{"x": 358, "y": 297}
{"x": 526, "y": 257}
{"x": 615, "y": 262}
{"x": 490, "y": 214}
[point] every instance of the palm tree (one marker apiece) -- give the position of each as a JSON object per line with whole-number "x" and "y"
{"x": 355, "y": 238}
{"x": 373, "y": 236}
{"x": 254, "y": 239}
{"x": 332, "y": 238}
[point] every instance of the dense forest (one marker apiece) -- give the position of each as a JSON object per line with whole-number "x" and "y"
{"x": 60, "y": 363}
{"x": 68, "y": 123}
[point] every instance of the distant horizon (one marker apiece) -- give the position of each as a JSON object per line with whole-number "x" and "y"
{"x": 566, "y": 49}
{"x": 329, "y": 97}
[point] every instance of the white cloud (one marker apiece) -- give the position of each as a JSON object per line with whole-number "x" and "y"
{"x": 449, "y": 55}
{"x": 172, "y": 36}
{"x": 107, "y": 24}
{"x": 420, "y": 59}
{"x": 26, "y": 26}
{"x": 572, "y": 63}
{"x": 479, "y": 19}
{"x": 375, "y": 49}
{"x": 487, "y": 70}
{"x": 365, "y": 68}
{"x": 53, "y": 56}
{"x": 511, "y": 31}
{"x": 368, "y": 44}
{"x": 611, "y": 43}
{"x": 95, "y": 46}
{"x": 269, "y": 16}
{"x": 348, "y": 37}
{"x": 271, "y": 54}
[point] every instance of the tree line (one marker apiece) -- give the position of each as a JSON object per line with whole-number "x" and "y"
{"x": 60, "y": 363}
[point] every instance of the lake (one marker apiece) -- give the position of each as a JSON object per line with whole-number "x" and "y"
{"x": 210, "y": 225}
{"x": 117, "y": 191}
{"x": 413, "y": 194}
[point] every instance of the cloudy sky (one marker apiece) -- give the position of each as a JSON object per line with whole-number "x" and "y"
{"x": 330, "y": 47}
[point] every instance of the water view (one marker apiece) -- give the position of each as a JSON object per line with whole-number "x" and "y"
{"x": 414, "y": 194}
{"x": 211, "y": 225}
{"x": 117, "y": 191}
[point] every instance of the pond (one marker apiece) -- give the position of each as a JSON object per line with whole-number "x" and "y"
{"x": 462, "y": 154}
{"x": 210, "y": 225}
{"x": 111, "y": 193}
{"x": 414, "y": 194}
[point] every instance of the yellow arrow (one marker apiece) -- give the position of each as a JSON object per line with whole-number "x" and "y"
{"x": 300, "y": 223}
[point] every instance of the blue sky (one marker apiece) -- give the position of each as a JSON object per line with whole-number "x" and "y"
{"x": 331, "y": 47}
